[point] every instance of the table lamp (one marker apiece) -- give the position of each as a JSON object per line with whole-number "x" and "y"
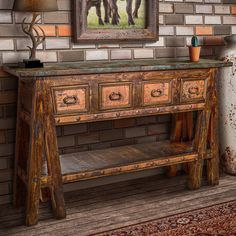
{"x": 34, "y": 31}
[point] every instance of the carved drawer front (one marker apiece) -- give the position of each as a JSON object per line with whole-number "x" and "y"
{"x": 70, "y": 99}
{"x": 156, "y": 92}
{"x": 115, "y": 95}
{"x": 193, "y": 90}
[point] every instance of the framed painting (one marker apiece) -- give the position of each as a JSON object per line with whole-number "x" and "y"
{"x": 115, "y": 20}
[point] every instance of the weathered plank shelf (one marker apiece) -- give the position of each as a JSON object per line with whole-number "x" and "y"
{"x": 92, "y": 164}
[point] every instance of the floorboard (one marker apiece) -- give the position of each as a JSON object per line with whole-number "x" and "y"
{"x": 112, "y": 206}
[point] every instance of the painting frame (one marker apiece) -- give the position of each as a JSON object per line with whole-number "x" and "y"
{"x": 82, "y": 34}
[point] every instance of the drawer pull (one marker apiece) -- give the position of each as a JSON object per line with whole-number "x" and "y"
{"x": 156, "y": 93}
{"x": 70, "y": 100}
{"x": 194, "y": 90}
{"x": 115, "y": 96}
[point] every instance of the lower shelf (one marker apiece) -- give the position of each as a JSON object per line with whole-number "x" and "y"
{"x": 111, "y": 161}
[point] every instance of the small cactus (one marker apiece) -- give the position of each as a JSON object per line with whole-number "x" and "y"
{"x": 195, "y": 41}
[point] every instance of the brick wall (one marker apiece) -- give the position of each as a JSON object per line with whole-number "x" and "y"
{"x": 179, "y": 20}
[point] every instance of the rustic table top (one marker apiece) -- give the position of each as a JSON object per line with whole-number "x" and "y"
{"x": 111, "y": 67}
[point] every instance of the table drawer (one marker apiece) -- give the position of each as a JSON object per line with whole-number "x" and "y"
{"x": 115, "y": 95}
{"x": 193, "y": 90}
{"x": 70, "y": 99}
{"x": 156, "y": 92}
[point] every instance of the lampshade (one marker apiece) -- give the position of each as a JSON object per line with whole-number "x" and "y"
{"x": 35, "y": 5}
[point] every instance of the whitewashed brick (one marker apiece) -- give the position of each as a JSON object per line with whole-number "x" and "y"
{"x": 143, "y": 53}
{"x": 166, "y": 30}
{"x": 212, "y": 20}
{"x": 159, "y": 43}
{"x": 161, "y": 19}
{"x": 14, "y": 57}
{"x": 229, "y": 20}
{"x": 165, "y": 7}
{"x": 5, "y": 17}
{"x": 204, "y": 9}
{"x": 57, "y": 43}
{"x": 93, "y": 55}
{"x": 184, "y": 30}
{"x": 193, "y": 0}
{"x": 110, "y": 45}
{"x": 119, "y": 54}
{"x": 47, "y": 56}
{"x": 64, "y": 5}
{"x": 193, "y": 20}
{"x": 212, "y": 1}
{"x": 233, "y": 29}
{"x": 6, "y": 4}
{"x": 222, "y": 9}
{"x": 6, "y": 44}
{"x": 83, "y": 46}
{"x": 21, "y": 44}
{"x": 20, "y": 16}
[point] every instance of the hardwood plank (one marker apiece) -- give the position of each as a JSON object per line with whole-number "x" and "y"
{"x": 138, "y": 205}
{"x": 94, "y": 201}
{"x": 104, "y": 226}
{"x": 126, "y": 213}
{"x": 152, "y": 202}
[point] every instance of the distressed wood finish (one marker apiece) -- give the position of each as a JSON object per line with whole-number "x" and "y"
{"x": 70, "y": 99}
{"x": 193, "y": 89}
{"x": 156, "y": 93}
{"x": 115, "y": 96}
{"x": 213, "y": 163}
{"x": 59, "y": 98}
{"x": 35, "y": 155}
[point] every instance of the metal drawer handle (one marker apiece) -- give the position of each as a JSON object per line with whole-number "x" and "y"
{"x": 70, "y": 100}
{"x": 194, "y": 90}
{"x": 115, "y": 96}
{"x": 156, "y": 93}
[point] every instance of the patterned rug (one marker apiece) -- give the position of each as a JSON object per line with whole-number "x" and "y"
{"x": 217, "y": 220}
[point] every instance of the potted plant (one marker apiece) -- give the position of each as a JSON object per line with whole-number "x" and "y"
{"x": 194, "y": 50}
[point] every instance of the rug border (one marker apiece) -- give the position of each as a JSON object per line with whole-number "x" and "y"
{"x": 162, "y": 218}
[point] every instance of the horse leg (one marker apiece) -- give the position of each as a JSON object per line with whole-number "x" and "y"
{"x": 129, "y": 12}
{"x": 99, "y": 13}
{"x": 89, "y": 5}
{"x": 137, "y": 6}
{"x": 107, "y": 11}
{"x": 115, "y": 14}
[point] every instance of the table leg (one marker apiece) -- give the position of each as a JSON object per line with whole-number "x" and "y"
{"x": 53, "y": 159}
{"x": 195, "y": 168}
{"x": 175, "y": 136}
{"x": 35, "y": 156}
{"x": 213, "y": 163}
{"x": 19, "y": 188}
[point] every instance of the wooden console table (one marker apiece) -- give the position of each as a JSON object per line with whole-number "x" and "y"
{"x": 74, "y": 93}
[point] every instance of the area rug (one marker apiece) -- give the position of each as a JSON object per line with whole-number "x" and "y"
{"x": 217, "y": 220}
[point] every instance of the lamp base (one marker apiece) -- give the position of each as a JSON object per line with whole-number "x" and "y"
{"x": 29, "y": 63}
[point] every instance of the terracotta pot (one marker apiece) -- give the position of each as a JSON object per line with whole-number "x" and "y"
{"x": 194, "y": 53}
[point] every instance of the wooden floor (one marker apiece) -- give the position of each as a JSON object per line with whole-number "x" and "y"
{"x": 116, "y": 205}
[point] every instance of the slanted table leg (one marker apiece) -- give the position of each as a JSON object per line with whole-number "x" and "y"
{"x": 19, "y": 188}
{"x": 53, "y": 161}
{"x": 195, "y": 168}
{"x": 35, "y": 156}
{"x": 43, "y": 141}
{"x": 213, "y": 163}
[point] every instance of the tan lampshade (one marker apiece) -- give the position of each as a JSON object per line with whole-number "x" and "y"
{"x": 35, "y": 5}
